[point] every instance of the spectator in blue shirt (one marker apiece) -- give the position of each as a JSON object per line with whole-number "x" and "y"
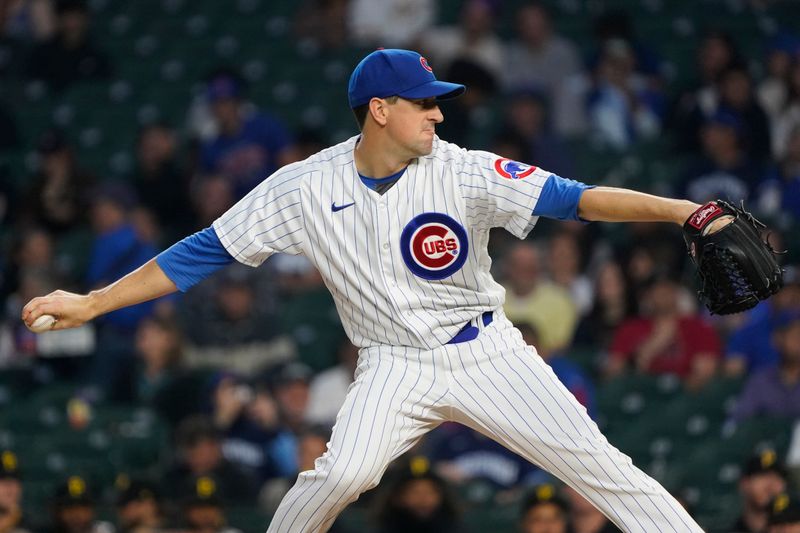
{"x": 775, "y": 390}
{"x": 117, "y": 249}
{"x": 623, "y": 107}
{"x": 249, "y": 146}
{"x": 725, "y": 170}
{"x": 751, "y": 348}
{"x": 462, "y": 456}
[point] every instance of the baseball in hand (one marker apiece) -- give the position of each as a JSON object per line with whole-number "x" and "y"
{"x": 43, "y": 323}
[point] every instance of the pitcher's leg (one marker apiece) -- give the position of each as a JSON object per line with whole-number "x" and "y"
{"x": 515, "y": 398}
{"x": 387, "y": 409}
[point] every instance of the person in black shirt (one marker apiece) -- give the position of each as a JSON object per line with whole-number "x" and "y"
{"x": 200, "y": 456}
{"x": 763, "y": 479}
{"x": 418, "y": 500}
{"x": 70, "y": 55}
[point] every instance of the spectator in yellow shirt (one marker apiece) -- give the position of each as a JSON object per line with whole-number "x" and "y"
{"x": 536, "y": 301}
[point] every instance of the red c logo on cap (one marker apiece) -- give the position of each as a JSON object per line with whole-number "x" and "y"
{"x": 424, "y": 63}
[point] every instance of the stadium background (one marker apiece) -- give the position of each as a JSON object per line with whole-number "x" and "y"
{"x": 57, "y": 414}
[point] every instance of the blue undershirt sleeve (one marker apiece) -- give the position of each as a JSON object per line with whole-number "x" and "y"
{"x": 194, "y": 258}
{"x": 559, "y": 198}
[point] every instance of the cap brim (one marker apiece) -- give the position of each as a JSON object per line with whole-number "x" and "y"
{"x": 441, "y": 90}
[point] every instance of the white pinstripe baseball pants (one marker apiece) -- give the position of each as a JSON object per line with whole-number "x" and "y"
{"x": 495, "y": 385}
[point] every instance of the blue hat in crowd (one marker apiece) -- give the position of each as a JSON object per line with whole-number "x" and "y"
{"x": 393, "y": 72}
{"x": 223, "y": 87}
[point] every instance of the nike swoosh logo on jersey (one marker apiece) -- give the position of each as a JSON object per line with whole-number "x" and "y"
{"x": 336, "y": 208}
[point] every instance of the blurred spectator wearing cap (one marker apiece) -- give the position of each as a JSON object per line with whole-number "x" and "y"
{"x": 784, "y": 514}
{"x": 623, "y": 107}
{"x": 716, "y": 53}
{"x": 534, "y": 300}
{"x": 737, "y": 96}
{"x": 544, "y": 511}
{"x": 74, "y": 509}
{"x": 780, "y": 190}
{"x": 231, "y": 320}
{"x": 416, "y": 499}
{"x": 763, "y": 478}
{"x": 328, "y": 389}
{"x": 159, "y": 181}
{"x": 775, "y": 390}
{"x": 527, "y": 116}
{"x": 366, "y": 20}
{"x": 751, "y": 347}
{"x": 70, "y": 55}
{"x": 665, "y": 340}
{"x": 474, "y": 39}
{"x": 724, "y": 170}
{"x": 311, "y": 444}
{"x": 200, "y": 455}
{"x": 540, "y": 59}
{"x": 585, "y": 517}
{"x": 139, "y": 507}
{"x": 618, "y": 24}
{"x": 291, "y": 389}
{"x": 234, "y": 314}
{"x": 57, "y": 197}
{"x": 11, "y": 519}
{"x": 466, "y": 458}
{"x": 249, "y": 146}
{"x": 203, "y": 510}
{"x": 249, "y": 424}
{"x": 116, "y": 249}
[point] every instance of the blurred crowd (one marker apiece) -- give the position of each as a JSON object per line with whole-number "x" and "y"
{"x": 414, "y": 496}
{"x": 273, "y": 362}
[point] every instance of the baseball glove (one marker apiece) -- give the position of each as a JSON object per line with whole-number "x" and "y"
{"x": 737, "y": 267}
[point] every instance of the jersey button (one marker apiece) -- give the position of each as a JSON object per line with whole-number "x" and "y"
{"x": 386, "y": 246}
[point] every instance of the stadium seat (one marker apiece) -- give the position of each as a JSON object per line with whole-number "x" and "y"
{"x": 624, "y": 399}
{"x": 310, "y": 318}
{"x": 247, "y": 519}
{"x": 14, "y": 382}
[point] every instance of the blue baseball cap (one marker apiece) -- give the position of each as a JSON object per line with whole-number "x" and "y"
{"x": 393, "y": 72}
{"x": 223, "y": 87}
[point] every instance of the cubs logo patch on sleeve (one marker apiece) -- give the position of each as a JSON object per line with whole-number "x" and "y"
{"x": 513, "y": 170}
{"x": 434, "y": 246}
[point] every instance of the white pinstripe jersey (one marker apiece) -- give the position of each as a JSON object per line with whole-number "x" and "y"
{"x": 406, "y": 268}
